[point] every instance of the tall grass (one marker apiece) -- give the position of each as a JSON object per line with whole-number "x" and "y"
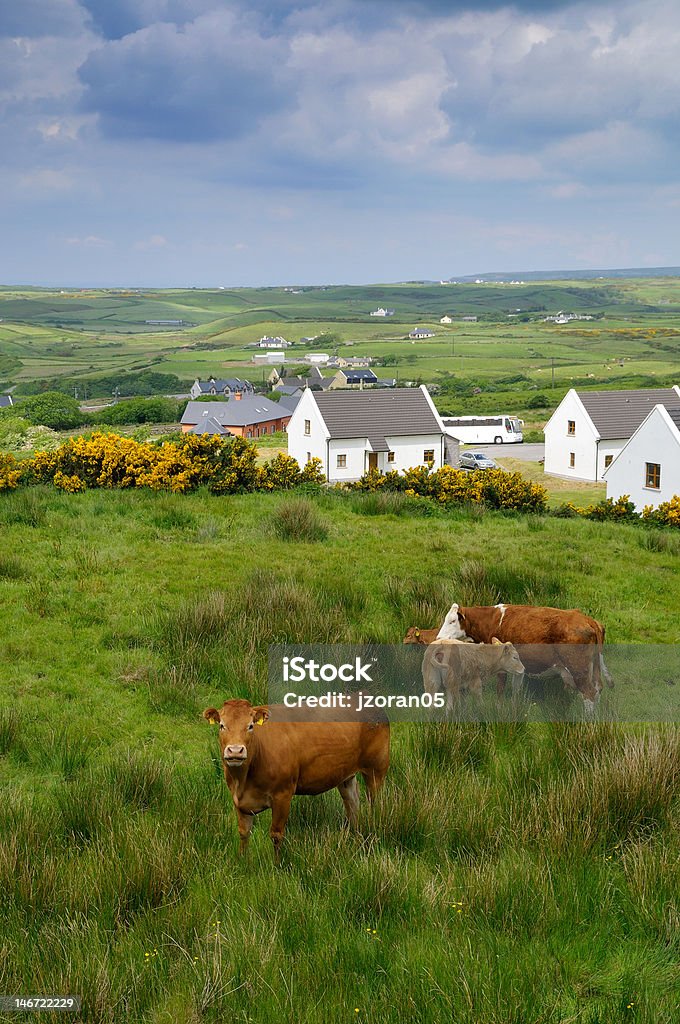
{"x": 297, "y": 519}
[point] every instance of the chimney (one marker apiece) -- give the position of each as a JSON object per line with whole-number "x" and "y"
{"x": 237, "y": 396}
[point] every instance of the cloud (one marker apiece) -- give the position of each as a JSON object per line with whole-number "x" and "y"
{"x": 151, "y": 243}
{"x": 34, "y": 18}
{"x": 215, "y": 79}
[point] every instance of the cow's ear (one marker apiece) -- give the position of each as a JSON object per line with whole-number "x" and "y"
{"x": 495, "y": 640}
{"x": 212, "y": 715}
{"x": 260, "y": 715}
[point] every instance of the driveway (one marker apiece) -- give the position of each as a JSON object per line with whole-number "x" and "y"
{"x": 526, "y": 452}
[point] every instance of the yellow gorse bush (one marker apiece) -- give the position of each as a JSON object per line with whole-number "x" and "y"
{"x": 225, "y": 466}
{"x": 493, "y": 488}
{"x": 666, "y": 514}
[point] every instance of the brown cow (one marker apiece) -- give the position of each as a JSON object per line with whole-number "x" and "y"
{"x": 552, "y": 639}
{"x": 416, "y": 635}
{"x": 265, "y": 767}
{"x": 456, "y": 666}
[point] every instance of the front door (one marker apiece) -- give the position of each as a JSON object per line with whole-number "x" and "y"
{"x": 372, "y": 460}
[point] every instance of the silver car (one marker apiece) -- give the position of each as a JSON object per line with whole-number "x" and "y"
{"x": 476, "y": 460}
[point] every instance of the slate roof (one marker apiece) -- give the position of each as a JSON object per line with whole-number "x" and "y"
{"x": 620, "y": 413}
{"x": 376, "y": 414}
{"x": 241, "y": 413}
{"x": 355, "y": 376}
{"x": 208, "y": 425}
{"x": 5, "y": 401}
{"x": 675, "y": 416}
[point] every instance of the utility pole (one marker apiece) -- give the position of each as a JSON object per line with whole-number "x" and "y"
{"x": 552, "y": 371}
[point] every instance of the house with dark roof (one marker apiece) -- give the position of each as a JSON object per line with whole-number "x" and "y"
{"x": 418, "y": 333}
{"x": 354, "y": 431}
{"x": 647, "y": 468}
{"x": 228, "y": 386}
{"x": 589, "y": 428}
{"x": 5, "y": 401}
{"x": 353, "y": 378}
{"x": 247, "y": 416}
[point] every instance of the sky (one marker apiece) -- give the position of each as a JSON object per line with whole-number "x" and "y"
{"x": 213, "y": 143}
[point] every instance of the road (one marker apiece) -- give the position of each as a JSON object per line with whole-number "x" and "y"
{"x": 526, "y": 452}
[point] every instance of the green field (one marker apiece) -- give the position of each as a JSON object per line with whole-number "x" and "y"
{"x": 509, "y": 352}
{"x": 512, "y": 874}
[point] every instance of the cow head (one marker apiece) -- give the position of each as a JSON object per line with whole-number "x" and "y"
{"x": 237, "y": 720}
{"x": 509, "y": 659}
{"x": 453, "y": 627}
{"x": 413, "y": 635}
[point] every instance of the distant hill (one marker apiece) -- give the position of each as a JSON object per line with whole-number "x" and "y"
{"x": 569, "y": 275}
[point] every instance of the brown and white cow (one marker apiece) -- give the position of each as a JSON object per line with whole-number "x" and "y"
{"x": 267, "y": 762}
{"x": 456, "y": 666}
{"x": 567, "y": 642}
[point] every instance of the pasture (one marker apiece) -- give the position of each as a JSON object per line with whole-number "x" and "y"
{"x": 512, "y": 873}
{"x": 634, "y": 340}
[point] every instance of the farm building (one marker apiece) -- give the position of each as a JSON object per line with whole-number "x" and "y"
{"x": 354, "y": 431}
{"x": 648, "y": 466}
{"x": 213, "y": 386}
{"x": 589, "y": 428}
{"x": 250, "y": 416}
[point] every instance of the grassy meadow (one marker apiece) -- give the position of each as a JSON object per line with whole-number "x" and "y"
{"x": 511, "y": 874}
{"x": 634, "y": 340}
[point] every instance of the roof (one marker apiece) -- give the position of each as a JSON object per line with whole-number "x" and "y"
{"x": 237, "y": 413}
{"x": 5, "y": 401}
{"x": 208, "y": 425}
{"x": 675, "y": 416}
{"x": 289, "y": 403}
{"x": 377, "y": 414}
{"x": 357, "y": 375}
{"x": 620, "y": 413}
{"x": 234, "y": 383}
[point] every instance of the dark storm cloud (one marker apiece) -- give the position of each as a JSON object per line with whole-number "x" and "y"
{"x": 215, "y": 80}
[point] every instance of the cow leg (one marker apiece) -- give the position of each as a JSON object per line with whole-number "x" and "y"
{"x": 606, "y": 674}
{"x": 349, "y": 791}
{"x": 374, "y": 780}
{"x": 245, "y": 827}
{"x": 280, "y": 812}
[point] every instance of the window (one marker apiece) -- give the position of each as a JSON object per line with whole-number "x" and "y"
{"x": 571, "y": 427}
{"x": 342, "y": 462}
{"x": 428, "y": 455}
{"x": 308, "y": 427}
{"x": 608, "y": 459}
{"x": 653, "y": 475}
{"x": 572, "y": 460}
{"x": 390, "y": 456}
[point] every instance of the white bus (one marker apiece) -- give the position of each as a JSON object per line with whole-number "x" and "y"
{"x": 484, "y": 429}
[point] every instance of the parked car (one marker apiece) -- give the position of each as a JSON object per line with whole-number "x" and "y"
{"x": 476, "y": 460}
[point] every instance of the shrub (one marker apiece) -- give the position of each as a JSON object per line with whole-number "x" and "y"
{"x": 10, "y": 473}
{"x": 667, "y": 513}
{"x": 447, "y": 486}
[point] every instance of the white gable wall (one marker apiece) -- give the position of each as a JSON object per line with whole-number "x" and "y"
{"x": 656, "y": 440}
{"x": 314, "y": 443}
{"x": 559, "y": 444}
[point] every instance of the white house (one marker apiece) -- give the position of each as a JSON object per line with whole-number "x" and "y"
{"x": 277, "y": 342}
{"x": 380, "y": 311}
{"x": 648, "y": 466}
{"x": 589, "y": 428}
{"x": 446, "y": 320}
{"x": 421, "y": 332}
{"x": 354, "y": 431}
